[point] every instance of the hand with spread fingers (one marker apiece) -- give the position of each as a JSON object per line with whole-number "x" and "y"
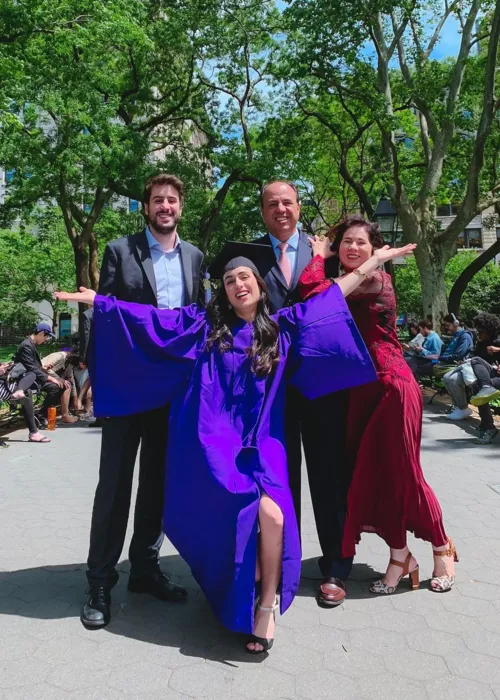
{"x": 387, "y": 253}
{"x": 83, "y": 296}
{"x": 321, "y": 246}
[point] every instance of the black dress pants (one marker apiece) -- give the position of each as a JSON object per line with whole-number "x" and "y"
{"x": 320, "y": 425}
{"x": 421, "y": 367}
{"x": 53, "y": 394}
{"x": 120, "y": 443}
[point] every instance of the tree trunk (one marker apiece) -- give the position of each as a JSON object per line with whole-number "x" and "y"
{"x": 467, "y": 275}
{"x": 81, "y": 264}
{"x": 431, "y": 265}
{"x": 94, "y": 261}
{"x": 82, "y": 276}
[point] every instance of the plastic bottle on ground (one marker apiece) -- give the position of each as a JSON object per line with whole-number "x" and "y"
{"x": 51, "y": 418}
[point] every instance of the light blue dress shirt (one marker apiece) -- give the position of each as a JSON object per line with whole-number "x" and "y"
{"x": 291, "y": 251}
{"x": 169, "y": 277}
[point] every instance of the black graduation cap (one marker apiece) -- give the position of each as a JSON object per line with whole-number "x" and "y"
{"x": 258, "y": 257}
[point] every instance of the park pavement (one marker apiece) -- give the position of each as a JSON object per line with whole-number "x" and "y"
{"x": 412, "y": 645}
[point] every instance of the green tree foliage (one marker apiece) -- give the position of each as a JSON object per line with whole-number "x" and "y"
{"x": 423, "y": 130}
{"x": 347, "y": 99}
{"x": 93, "y": 101}
{"x": 31, "y": 268}
{"x": 482, "y": 294}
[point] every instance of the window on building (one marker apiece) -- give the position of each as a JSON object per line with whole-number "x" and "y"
{"x": 448, "y": 209}
{"x": 498, "y": 231}
{"x": 133, "y": 205}
{"x": 9, "y": 175}
{"x": 474, "y": 238}
{"x": 444, "y": 210}
{"x": 470, "y": 238}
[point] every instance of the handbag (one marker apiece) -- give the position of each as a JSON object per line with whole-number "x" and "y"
{"x": 17, "y": 371}
{"x": 468, "y": 373}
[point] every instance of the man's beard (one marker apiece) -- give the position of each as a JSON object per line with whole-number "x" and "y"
{"x": 163, "y": 228}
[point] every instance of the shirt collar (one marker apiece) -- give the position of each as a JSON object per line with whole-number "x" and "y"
{"x": 153, "y": 243}
{"x": 293, "y": 241}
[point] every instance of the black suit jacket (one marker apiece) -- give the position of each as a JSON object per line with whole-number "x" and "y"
{"x": 280, "y": 294}
{"x": 127, "y": 271}
{"x": 28, "y": 355}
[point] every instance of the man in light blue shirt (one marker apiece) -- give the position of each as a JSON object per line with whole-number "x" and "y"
{"x": 432, "y": 344}
{"x": 167, "y": 265}
{"x": 291, "y": 251}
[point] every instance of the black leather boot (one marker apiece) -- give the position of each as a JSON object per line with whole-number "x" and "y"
{"x": 97, "y": 611}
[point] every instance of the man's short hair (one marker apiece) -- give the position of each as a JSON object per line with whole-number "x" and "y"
{"x": 426, "y": 323}
{"x": 163, "y": 179}
{"x": 266, "y": 185}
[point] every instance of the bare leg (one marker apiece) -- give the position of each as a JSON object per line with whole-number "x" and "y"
{"x": 393, "y": 572}
{"x": 270, "y": 556}
{"x": 65, "y": 415}
{"x": 84, "y": 395}
{"x": 88, "y": 399}
{"x": 443, "y": 576}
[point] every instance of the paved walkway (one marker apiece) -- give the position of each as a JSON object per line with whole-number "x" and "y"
{"x": 413, "y": 645}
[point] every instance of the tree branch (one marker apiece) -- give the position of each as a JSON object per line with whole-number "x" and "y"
{"x": 467, "y": 275}
{"x": 432, "y": 43}
{"x": 209, "y": 219}
{"x": 471, "y": 199}
{"x": 148, "y": 126}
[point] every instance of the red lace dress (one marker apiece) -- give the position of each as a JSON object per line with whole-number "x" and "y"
{"x": 388, "y": 493}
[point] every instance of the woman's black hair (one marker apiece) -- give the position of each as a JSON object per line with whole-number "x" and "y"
{"x": 264, "y": 351}
{"x": 488, "y": 323}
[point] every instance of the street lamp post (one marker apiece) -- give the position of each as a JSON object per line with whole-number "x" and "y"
{"x": 387, "y": 218}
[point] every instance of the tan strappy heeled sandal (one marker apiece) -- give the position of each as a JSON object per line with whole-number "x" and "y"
{"x": 381, "y": 588}
{"x": 441, "y": 584}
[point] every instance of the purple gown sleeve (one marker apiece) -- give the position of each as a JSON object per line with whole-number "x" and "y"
{"x": 141, "y": 355}
{"x": 327, "y": 352}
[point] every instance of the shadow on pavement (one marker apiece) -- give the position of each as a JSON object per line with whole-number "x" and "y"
{"x": 50, "y": 593}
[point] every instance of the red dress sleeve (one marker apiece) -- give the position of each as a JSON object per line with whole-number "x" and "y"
{"x": 313, "y": 279}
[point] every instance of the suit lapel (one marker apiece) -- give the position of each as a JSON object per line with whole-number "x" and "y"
{"x": 275, "y": 269}
{"x": 304, "y": 254}
{"x": 187, "y": 272}
{"x": 146, "y": 261}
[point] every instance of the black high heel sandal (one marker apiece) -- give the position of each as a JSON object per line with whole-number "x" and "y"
{"x": 266, "y": 644}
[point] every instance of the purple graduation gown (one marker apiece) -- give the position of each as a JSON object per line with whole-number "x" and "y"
{"x": 226, "y": 432}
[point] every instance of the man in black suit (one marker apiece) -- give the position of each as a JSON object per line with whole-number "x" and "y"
{"x": 152, "y": 267}
{"x": 320, "y": 423}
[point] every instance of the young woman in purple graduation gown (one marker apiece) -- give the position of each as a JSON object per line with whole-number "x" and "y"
{"x": 228, "y": 506}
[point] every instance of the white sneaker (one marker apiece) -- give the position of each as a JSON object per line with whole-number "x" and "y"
{"x": 459, "y": 414}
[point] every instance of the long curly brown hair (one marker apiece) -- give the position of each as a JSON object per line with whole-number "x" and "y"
{"x": 264, "y": 351}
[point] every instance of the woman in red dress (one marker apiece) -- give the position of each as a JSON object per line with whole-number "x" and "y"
{"x": 388, "y": 494}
